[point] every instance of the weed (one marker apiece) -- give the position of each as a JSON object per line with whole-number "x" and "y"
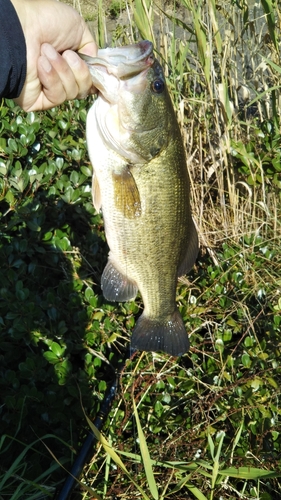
{"x": 206, "y": 425}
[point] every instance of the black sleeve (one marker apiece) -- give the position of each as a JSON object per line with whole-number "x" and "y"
{"x": 12, "y": 52}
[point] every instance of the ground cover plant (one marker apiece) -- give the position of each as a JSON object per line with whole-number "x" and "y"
{"x": 206, "y": 425}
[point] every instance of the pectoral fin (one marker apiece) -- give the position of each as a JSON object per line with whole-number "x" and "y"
{"x": 96, "y": 194}
{"x": 127, "y": 197}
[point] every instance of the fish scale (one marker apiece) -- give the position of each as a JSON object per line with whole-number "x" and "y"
{"x": 141, "y": 184}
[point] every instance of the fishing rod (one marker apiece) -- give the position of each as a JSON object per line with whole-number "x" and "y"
{"x": 87, "y": 448}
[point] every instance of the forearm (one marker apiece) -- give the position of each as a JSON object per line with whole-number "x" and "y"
{"x": 12, "y": 51}
{"x": 39, "y": 67}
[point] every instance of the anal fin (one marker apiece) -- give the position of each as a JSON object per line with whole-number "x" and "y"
{"x": 116, "y": 286}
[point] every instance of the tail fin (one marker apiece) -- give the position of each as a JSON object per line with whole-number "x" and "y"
{"x": 155, "y": 335}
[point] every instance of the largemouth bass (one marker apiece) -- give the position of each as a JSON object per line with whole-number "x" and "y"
{"x": 141, "y": 184}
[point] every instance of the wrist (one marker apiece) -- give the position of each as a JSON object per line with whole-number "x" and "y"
{"x": 19, "y": 6}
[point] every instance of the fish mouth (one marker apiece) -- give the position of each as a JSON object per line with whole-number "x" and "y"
{"x": 122, "y": 62}
{"x": 119, "y": 63}
{"x": 114, "y": 72}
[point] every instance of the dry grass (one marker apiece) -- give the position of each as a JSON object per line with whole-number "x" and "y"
{"x": 215, "y": 69}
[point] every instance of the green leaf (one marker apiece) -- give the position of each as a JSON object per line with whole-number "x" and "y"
{"x": 64, "y": 244}
{"x": 33, "y": 225}
{"x": 86, "y": 171}
{"x": 146, "y": 457}
{"x": 12, "y": 145}
{"x": 115, "y": 457}
{"x": 196, "y": 492}
{"x": 246, "y": 360}
{"x": 249, "y": 473}
{"x": 89, "y": 294}
{"x": 51, "y": 357}
{"x": 59, "y": 163}
{"x": 211, "y": 446}
{"x": 57, "y": 349}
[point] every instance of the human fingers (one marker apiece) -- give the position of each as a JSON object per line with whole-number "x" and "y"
{"x": 69, "y": 85}
{"x": 81, "y": 74}
{"x": 72, "y": 71}
{"x": 87, "y": 45}
{"x": 54, "y": 83}
{"x": 58, "y": 78}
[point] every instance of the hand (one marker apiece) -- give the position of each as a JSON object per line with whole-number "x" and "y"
{"x": 55, "y": 73}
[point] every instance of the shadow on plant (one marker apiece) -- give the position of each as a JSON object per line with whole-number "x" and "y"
{"x": 53, "y": 320}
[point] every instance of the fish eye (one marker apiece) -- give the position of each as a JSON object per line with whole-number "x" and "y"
{"x": 158, "y": 86}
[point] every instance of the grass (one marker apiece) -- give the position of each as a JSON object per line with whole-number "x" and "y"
{"x": 205, "y": 426}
